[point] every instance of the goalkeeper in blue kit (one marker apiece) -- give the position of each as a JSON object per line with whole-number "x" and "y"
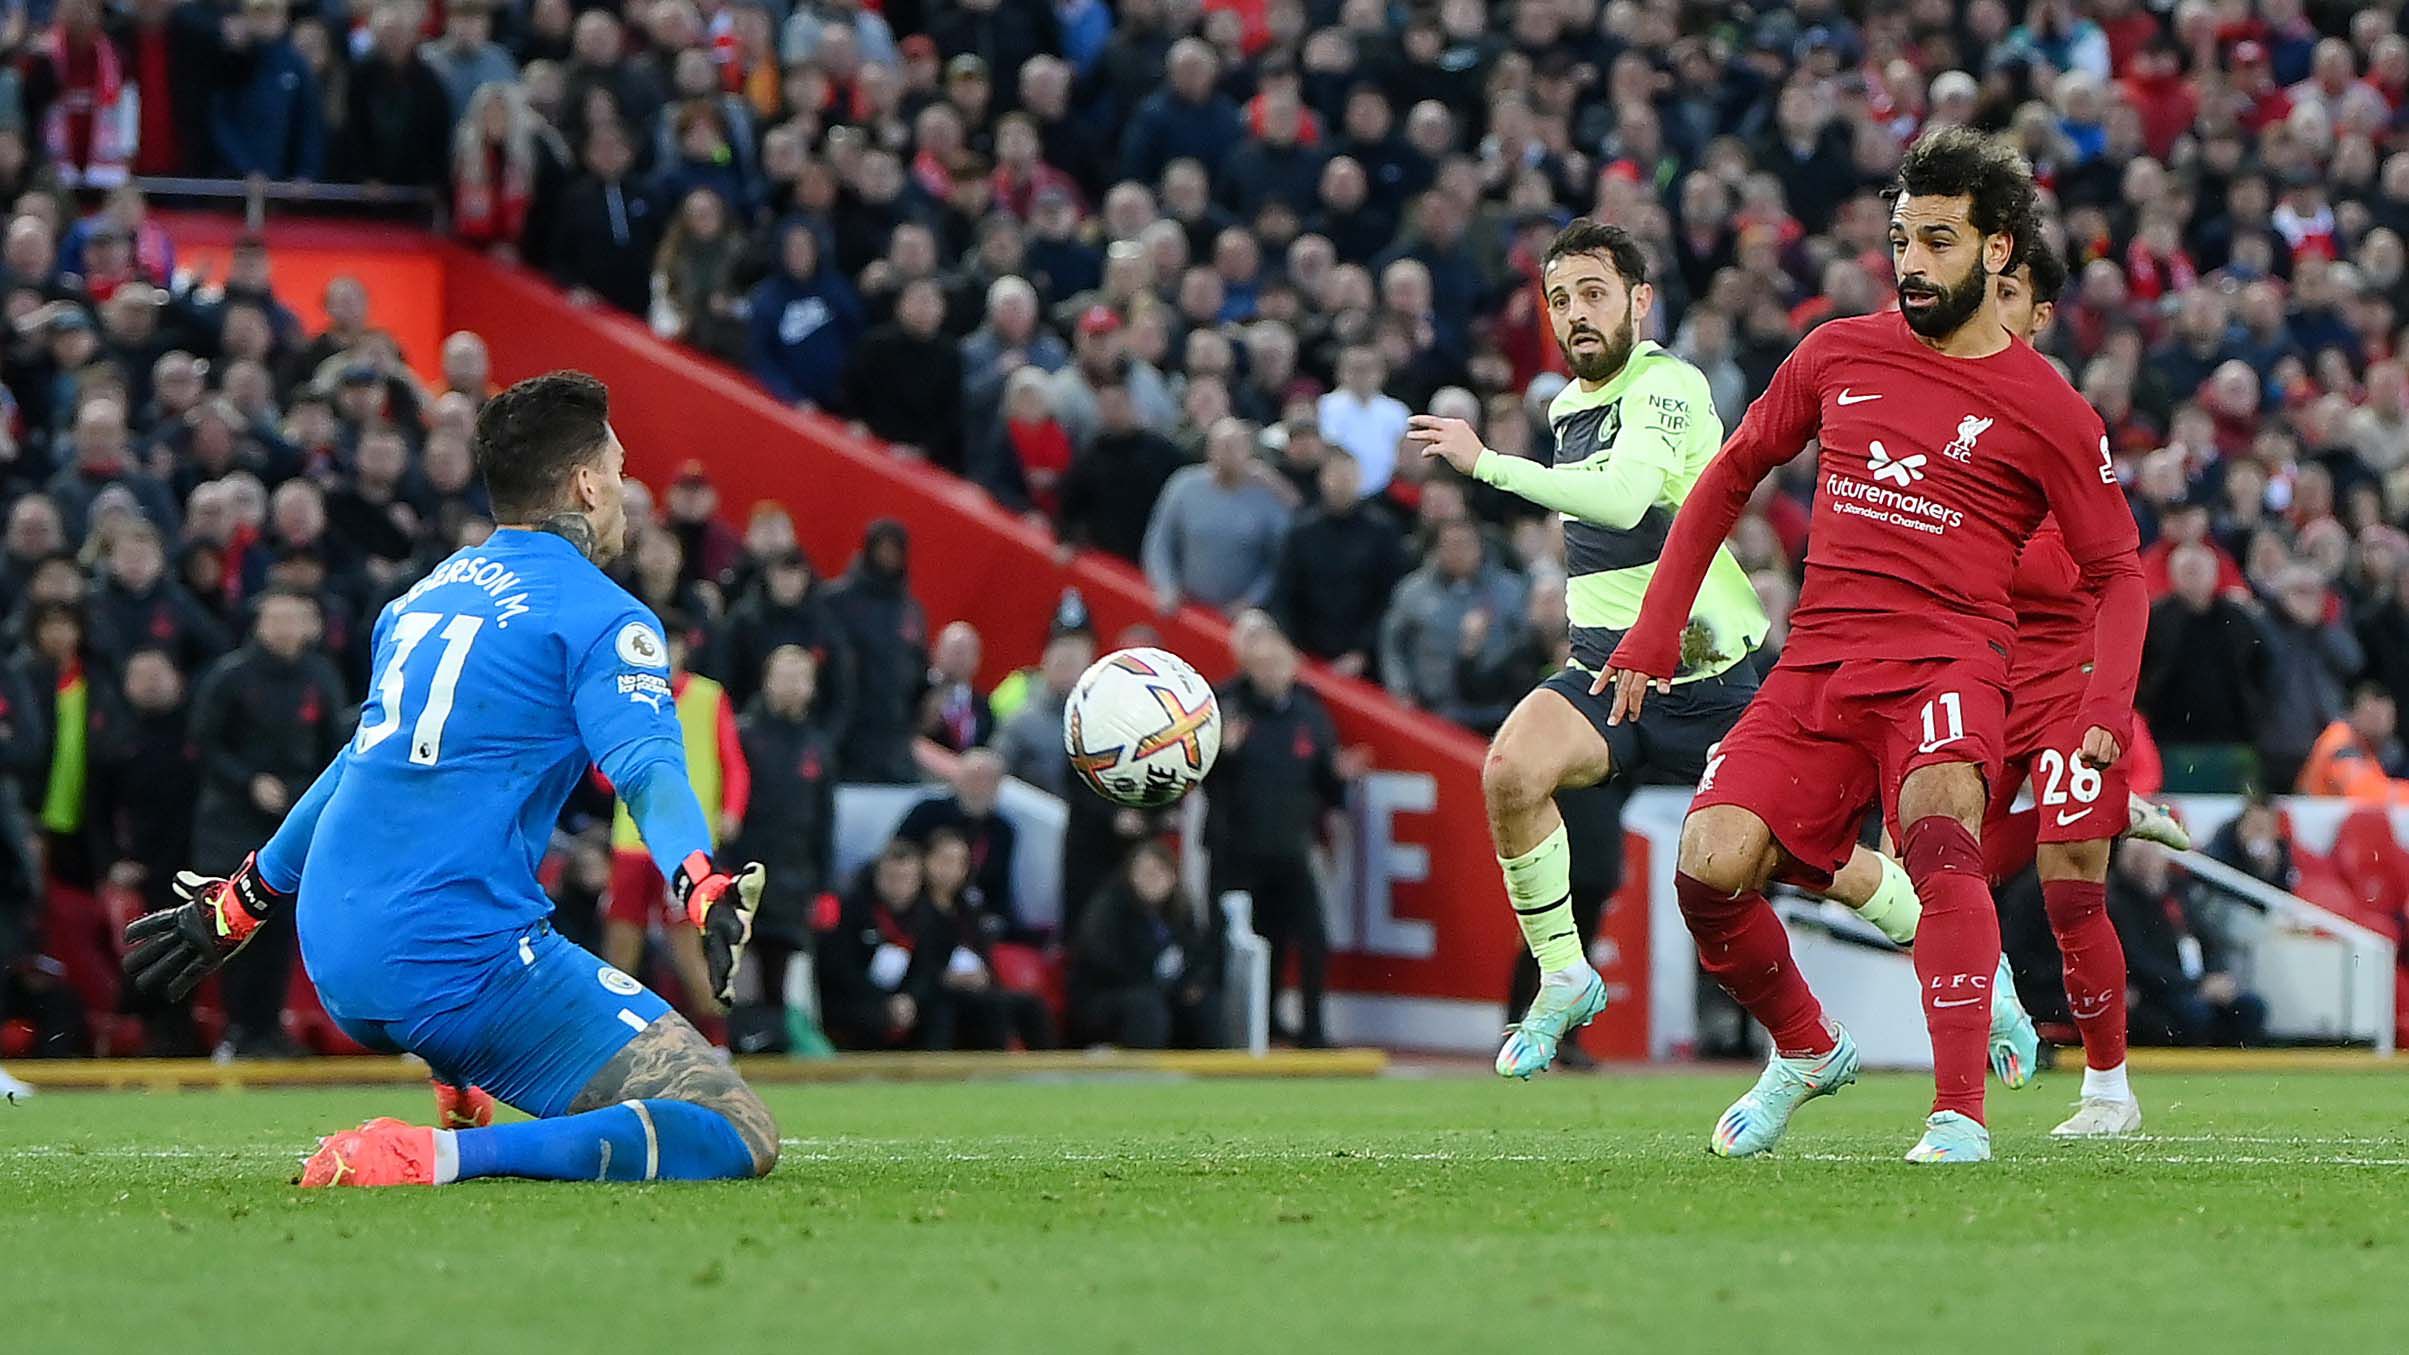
{"x": 411, "y": 863}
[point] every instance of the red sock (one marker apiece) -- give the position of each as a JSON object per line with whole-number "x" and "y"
{"x": 1742, "y": 946}
{"x": 1956, "y": 955}
{"x": 2095, "y": 966}
{"x": 2009, "y": 842}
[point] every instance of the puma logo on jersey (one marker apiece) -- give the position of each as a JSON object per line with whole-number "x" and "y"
{"x": 1968, "y": 429}
{"x": 1905, "y": 470}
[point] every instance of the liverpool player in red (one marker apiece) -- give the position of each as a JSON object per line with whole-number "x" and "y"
{"x": 2078, "y": 810}
{"x": 1943, "y": 443}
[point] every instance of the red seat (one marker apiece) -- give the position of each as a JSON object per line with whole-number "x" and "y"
{"x": 1026, "y": 969}
{"x": 2322, "y": 885}
{"x": 2370, "y": 860}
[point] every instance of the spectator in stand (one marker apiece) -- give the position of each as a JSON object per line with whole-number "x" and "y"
{"x": 877, "y": 968}
{"x": 789, "y": 827}
{"x": 2254, "y": 842}
{"x": 973, "y": 1009}
{"x": 905, "y": 380}
{"x": 466, "y": 58}
{"x": 467, "y": 369}
{"x": 778, "y": 610}
{"x": 398, "y": 116}
{"x": 1279, "y": 772}
{"x": 146, "y": 778}
{"x": 1461, "y": 606}
{"x": 701, "y": 153}
{"x": 34, "y": 533}
{"x": 2311, "y": 659}
{"x": 1028, "y": 450}
{"x": 1146, "y": 962}
{"x": 606, "y": 230}
{"x": 972, "y": 809}
{"x": 2182, "y": 972}
{"x": 370, "y": 509}
{"x": 1186, "y": 119}
{"x": 1030, "y": 739}
{"x": 708, "y": 545}
{"x": 86, "y": 103}
{"x": 266, "y": 719}
{"x": 800, "y": 323}
{"x": 266, "y": 116}
{"x": 1100, "y": 354}
{"x": 74, "y": 698}
{"x": 888, "y": 634}
{"x": 694, "y": 296}
{"x": 953, "y": 714}
{"x": 2359, "y": 756}
{"x": 1108, "y": 496}
{"x": 1214, "y": 536}
{"x": 138, "y": 605}
{"x": 1010, "y": 341}
{"x": 102, "y": 458}
{"x": 1338, "y": 567}
{"x": 501, "y": 153}
{"x": 656, "y": 574}
{"x": 2204, "y": 665}
{"x": 1361, "y": 420}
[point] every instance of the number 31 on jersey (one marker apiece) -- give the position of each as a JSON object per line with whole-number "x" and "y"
{"x": 426, "y": 736}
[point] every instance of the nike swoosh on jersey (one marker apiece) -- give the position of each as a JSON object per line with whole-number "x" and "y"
{"x": 2064, "y": 818}
{"x": 1847, "y": 399}
{"x": 1957, "y": 1002}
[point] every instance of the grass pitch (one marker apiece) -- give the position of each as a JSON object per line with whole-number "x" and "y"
{"x": 2265, "y": 1212}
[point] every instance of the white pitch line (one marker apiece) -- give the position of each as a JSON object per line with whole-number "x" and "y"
{"x": 905, "y": 1151}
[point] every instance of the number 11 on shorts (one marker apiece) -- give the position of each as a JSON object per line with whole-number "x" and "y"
{"x": 1944, "y": 722}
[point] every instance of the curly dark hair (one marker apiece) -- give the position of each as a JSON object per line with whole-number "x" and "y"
{"x": 531, "y": 437}
{"x": 1586, "y": 235}
{"x": 2047, "y": 265}
{"x": 1953, "y": 162}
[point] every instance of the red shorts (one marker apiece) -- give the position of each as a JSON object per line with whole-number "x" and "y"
{"x": 1819, "y": 744}
{"x": 638, "y": 894}
{"x": 2076, "y": 803}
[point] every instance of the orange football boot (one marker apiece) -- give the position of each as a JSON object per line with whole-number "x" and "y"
{"x": 461, "y": 1107}
{"x": 382, "y": 1152}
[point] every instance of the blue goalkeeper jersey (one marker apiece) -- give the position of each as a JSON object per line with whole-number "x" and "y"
{"x": 497, "y": 679}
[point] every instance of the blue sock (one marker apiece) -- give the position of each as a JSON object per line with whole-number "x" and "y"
{"x": 631, "y": 1141}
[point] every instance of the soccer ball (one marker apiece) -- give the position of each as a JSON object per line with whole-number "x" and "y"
{"x": 1142, "y": 727}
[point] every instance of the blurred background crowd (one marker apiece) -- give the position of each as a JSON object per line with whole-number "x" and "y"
{"x": 1166, "y": 277}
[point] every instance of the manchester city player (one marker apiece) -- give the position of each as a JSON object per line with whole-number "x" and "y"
{"x": 1634, "y": 430}
{"x": 498, "y": 678}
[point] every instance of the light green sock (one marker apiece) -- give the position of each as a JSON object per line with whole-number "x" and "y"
{"x": 1894, "y": 908}
{"x": 1539, "y": 883}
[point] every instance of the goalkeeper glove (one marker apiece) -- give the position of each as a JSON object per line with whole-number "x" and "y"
{"x": 171, "y": 951}
{"x": 722, "y": 906}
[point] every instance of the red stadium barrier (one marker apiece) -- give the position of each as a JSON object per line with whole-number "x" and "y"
{"x": 1439, "y": 931}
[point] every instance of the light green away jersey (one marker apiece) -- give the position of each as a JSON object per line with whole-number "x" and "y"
{"x": 1653, "y": 424}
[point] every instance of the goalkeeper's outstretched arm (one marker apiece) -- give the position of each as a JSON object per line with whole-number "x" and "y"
{"x": 287, "y": 851}
{"x": 649, "y": 774}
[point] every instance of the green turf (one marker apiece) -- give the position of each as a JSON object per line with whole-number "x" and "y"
{"x": 2269, "y": 1213}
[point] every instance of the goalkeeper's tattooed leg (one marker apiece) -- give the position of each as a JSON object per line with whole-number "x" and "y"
{"x": 671, "y": 1061}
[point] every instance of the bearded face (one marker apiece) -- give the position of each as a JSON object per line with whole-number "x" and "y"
{"x": 1595, "y": 353}
{"x": 1936, "y": 308}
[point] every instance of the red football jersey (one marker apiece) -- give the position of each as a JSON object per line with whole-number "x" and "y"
{"x": 1932, "y": 474}
{"x": 2055, "y": 618}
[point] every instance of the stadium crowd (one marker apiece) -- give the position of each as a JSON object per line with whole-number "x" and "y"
{"x": 1167, "y": 276}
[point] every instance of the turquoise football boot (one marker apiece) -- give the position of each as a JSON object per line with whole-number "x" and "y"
{"x": 1559, "y": 1009}
{"x": 1755, "y": 1122}
{"x": 1951, "y": 1137}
